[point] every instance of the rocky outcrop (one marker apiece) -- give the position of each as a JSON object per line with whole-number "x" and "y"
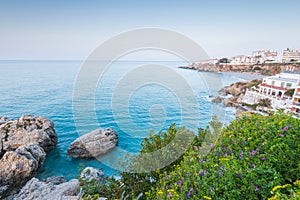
{"x": 93, "y": 144}
{"x": 19, "y": 166}
{"x": 57, "y": 188}
{"x": 40, "y": 190}
{"x": 3, "y": 120}
{"x": 217, "y": 99}
{"x": 23, "y": 143}
{"x": 26, "y": 131}
{"x": 90, "y": 173}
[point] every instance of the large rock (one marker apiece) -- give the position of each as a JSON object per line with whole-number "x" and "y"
{"x": 217, "y": 99}
{"x": 19, "y": 166}
{"x": 23, "y": 143}
{"x": 39, "y": 190}
{"x": 90, "y": 173}
{"x": 26, "y": 131}
{"x": 93, "y": 144}
{"x": 3, "y": 120}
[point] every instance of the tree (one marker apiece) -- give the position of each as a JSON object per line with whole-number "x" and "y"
{"x": 276, "y": 70}
{"x": 224, "y": 60}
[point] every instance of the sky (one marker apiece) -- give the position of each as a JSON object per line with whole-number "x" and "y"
{"x": 72, "y": 29}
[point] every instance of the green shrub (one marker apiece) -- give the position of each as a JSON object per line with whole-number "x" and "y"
{"x": 254, "y": 155}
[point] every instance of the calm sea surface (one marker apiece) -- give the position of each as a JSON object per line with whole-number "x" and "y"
{"x": 45, "y": 88}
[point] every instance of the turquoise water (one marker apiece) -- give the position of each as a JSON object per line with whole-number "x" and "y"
{"x": 45, "y": 88}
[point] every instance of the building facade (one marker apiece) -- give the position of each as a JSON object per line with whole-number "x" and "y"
{"x": 296, "y": 101}
{"x": 279, "y": 84}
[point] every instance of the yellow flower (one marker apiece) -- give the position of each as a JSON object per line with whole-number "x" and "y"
{"x": 224, "y": 159}
{"x": 297, "y": 182}
{"x": 273, "y": 198}
{"x": 206, "y": 197}
{"x": 250, "y": 138}
{"x": 160, "y": 192}
{"x": 276, "y": 188}
{"x": 286, "y": 185}
{"x": 216, "y": 165}
{"x": 146, "y": 193}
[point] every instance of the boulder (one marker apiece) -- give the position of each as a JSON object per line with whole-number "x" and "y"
{"x": 39, "y": 190}
{"x": 3, "y": 120}
{"x": 217, "y": 99}
{"x": 93, "y": 144}
{"x": 90, "y": 173}
{"x": 19, "y": 166}
{"x": 26, "y": 131}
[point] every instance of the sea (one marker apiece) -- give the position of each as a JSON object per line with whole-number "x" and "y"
{"x": 132, "y": 97}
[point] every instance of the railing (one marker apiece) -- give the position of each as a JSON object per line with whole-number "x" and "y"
{"x": 296, "y": 103}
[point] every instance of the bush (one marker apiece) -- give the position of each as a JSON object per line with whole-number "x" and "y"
{"x": 254, "y": 155}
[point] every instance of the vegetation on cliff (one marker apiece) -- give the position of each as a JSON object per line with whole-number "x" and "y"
{"x": 255, "y": 157}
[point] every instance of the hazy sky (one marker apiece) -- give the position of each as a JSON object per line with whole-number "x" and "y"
{"x": 71, "y": 29}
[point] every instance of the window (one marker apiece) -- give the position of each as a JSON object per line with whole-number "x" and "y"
{"x": 288, "y": 85}
{"x": 273, "y": 82}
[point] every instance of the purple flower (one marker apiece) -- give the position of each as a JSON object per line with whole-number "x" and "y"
{"x": 285, "y": 128}
{"x": 204, "y": 171}
{"x": 241, "y": 153}
{"x": 291, "y": 125}
{"x": 281, "y": 135}
{"x": 179, "y": 183}
{"x": 263, "y": 158}
{"x": 221, "y": 167}
{"x": 201, "y": 160}
{"x": 169, "y": 195}
{"x": 253, "y": 152}
{"x": 201, "y": 174}
{"x": 262, "y": 128}
{"x": 257, "y": 189}
{"x": 220, "y": 173}
{"x": 239, "y": 175}
{"x": 229, "y": 152}
{"x": 188, "y": 195}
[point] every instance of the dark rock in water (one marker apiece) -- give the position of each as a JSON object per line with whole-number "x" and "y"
{"x": 26, "y": 131}
{"x": 39, "y": 190}
{"x": 217, "y": 99}
{"x": 93, "y": 144}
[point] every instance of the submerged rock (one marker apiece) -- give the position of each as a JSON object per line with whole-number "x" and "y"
{"x": 93, "y": 144}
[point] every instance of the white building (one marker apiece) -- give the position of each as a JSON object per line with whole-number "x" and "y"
{"x": 280, "y": 83}
{"x": 290, "y": 55}
{"x": 296, "y": 101}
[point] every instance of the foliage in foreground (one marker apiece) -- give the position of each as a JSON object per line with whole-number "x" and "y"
{"x": 255, "y": 158}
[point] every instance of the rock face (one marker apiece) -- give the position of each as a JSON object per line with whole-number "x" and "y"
{"x": 3, "y": 120}
{"x": 56, "y": 187}
{"x": 217, "y": 99}
{"x": 39, "y": 190}
{"x": 23, "y": 143}
{"x": 93, "y": 144}
{"x": 90, "y": 173}
{"x": 26, "y": 131}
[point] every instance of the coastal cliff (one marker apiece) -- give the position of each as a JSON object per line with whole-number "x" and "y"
{"x": 265, "y": 68}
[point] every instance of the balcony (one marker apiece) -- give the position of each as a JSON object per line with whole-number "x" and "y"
{"x": 296, "y": 104}
{"x": 297, "y": 94}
